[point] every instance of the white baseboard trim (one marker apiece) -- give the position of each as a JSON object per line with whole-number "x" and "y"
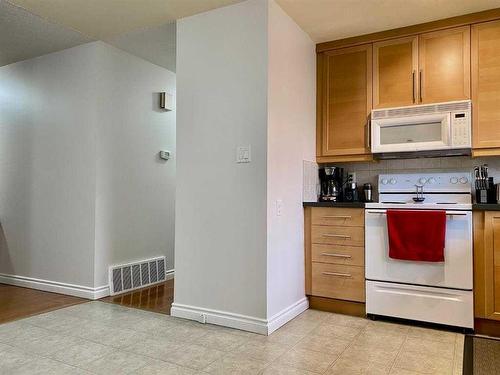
{"x": 55, "y": 286}
{"x": 221, "y": 318}
{"x": 169, "y": 274}
{"x": 287, "y": 314}
{"x": 243, "y": 322}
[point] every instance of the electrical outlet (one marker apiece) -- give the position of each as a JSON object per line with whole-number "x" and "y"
{"x": 203, "y": 318}
{"x": 351, "y": 177}
{"x": 279, "y": 207}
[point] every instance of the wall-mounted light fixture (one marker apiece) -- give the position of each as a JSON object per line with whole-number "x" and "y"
{"x": 166, "y": 101}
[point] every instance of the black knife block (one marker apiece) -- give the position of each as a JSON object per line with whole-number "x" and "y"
{"x": 486, "y": 195}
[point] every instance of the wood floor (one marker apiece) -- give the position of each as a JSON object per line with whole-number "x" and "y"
{"x": 157, "y": 298}
{"x": 17, "y": 303}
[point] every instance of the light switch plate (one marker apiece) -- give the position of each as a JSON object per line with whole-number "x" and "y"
{"x": 243, "y": 154}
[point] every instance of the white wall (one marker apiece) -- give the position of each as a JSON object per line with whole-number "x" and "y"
{"x": 135, "y": 189}
{"x": 47, "y": 167}
{"x": 291, "y": 139}
{"x": 81, "y": 186}
{"x": 220, "y": 234}
{"x": 246, "y": 76}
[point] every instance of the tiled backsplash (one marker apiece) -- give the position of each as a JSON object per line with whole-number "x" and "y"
{"x": 368, "y": 172}
{"x": 310, "y": 181}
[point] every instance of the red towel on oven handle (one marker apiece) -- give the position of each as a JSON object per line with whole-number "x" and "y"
{"x": 416, "y": 235}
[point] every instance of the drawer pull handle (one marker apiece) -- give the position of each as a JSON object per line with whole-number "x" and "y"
{"x": 336, "y": 255}
{"x": 337, "y": 217}
{"x": 336, "y": 235}
{"x": 384, "y": 213}
{"x": 337, "y": 274}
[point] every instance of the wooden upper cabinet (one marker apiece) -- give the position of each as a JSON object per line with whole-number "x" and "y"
{"x": 395, "y": 69}
{"x": 345, "y": 92}
{"x": 444, "y": 65}
{"x": 486, "y": 88}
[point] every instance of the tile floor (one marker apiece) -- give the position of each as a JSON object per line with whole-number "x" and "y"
{"x": 102, "y": 338}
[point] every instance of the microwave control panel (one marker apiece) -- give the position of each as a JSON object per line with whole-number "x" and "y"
{"x": 460, "y": 129}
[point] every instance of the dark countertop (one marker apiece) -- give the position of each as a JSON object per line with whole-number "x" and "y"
{"x": 335, "y": 204}
{"x": 486, "y": 207}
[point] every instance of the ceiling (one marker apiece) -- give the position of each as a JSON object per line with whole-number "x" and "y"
{"x": 326, "y": 20}
{"x": 146, "y": 28}
{"x": 102, "y": 19}
{"x": 155, "y": 44}
{"x": 323, "y": 20}
{"x": 24, "y": 35}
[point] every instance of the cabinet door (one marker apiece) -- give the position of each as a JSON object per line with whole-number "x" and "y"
{"x": 347, "y": 101}
{"x": 486, "y": 86}
{"x": 489, "y": 275}
{"x": 444, "y": 64}
{"x": 395, "y": 65}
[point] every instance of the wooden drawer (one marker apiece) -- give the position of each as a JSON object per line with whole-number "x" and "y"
{"x": 338, "y": 281}
{"x": 338, "y": 235}
{"x": 349, "y": 217}
{"x": 338, "y": 254}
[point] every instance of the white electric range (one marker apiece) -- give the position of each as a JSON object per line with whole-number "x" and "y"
{"x": 437, "y": 292}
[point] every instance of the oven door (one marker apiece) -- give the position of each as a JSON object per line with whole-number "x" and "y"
{"x": 412, "y": 133}
{"x": 455, "y": 272}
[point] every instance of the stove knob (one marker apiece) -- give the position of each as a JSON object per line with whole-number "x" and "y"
{"x": 454, "y": 180}
{"x": 431, "y": 180}
{"x": 384, "y": 181}
{"x": 393, "y": 181}
{"x": 464, "y": 180}
{"x": 422, "y": 181}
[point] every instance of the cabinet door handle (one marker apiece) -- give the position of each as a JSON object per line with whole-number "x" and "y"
{"x": 337, "y": 255}
{"x": 337, "y": 217}
{"x": 336, "y": 235}
{"x": 420, "y": 85}
{"x": 413, "y": 85}
{"x": 337, "y": 274}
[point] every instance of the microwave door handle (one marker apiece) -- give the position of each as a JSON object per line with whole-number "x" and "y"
{"x": 368, "y": 135}
{"x": 450, "y": 130}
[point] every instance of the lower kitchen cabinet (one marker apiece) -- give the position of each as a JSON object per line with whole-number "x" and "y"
{"x": 487, "y": 265}
{"x": 338, "y": 281}
{"x": 334, "y": 256}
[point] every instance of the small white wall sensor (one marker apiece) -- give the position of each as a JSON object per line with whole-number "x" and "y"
{"x": 164, "y": 155}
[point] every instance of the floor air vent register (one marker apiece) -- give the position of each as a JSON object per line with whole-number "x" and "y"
{"x": 127, "y": 277}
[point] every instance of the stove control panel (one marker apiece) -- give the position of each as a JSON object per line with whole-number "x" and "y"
{"x": 456, "y": 182}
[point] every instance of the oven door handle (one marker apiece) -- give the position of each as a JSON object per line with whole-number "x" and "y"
{"x": 385, "y": 213}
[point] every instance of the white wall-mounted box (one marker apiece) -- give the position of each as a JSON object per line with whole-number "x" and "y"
{"x": 167, "y": 101}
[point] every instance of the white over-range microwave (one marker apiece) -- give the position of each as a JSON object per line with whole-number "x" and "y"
{"x": 434, "y": 129}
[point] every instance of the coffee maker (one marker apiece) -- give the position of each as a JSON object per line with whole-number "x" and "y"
{"x": 331, "y": 180}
